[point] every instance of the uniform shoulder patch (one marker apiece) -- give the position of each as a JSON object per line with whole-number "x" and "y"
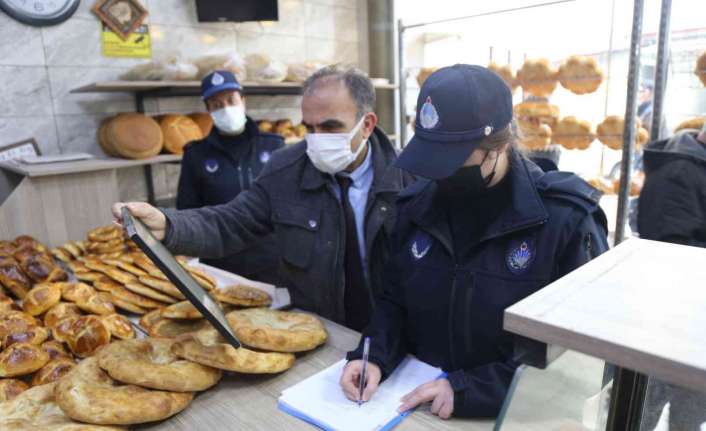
{"x": 520, "y": 255}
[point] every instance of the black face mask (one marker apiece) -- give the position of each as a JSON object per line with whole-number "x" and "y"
{"x": 467, "y": 182}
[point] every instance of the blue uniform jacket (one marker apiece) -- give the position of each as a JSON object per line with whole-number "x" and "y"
{"x": 214, "y": 173}
{"x": 448, "y": 312}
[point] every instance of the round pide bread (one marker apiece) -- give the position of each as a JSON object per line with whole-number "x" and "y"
{"x": 150, "y": 363}
{"x": 89, "y": 394}
{"x": 277, "y": 331}
{"x": 207, "y": 347}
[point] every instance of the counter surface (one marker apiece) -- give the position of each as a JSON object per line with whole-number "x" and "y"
{"x": 250, "y": 402}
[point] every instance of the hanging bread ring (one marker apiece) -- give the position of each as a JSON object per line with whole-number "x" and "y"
{"x": 105, "y": 234}
{"x": 207, "y": 347}
{"x": 580, "y": 74}
{"x": 150, "y": 363}
{"x": 537, "y": 77}
{"x": 88, "y": 394}
{"x": 701, "y": 68}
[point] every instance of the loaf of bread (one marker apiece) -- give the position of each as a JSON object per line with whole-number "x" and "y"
{"x": 134, "y": 136}
{"x": 204, "y": 121}
{"x": 179, "y": 130}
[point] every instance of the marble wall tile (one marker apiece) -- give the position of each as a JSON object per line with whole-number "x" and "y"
{"x": 25, "y": 91}
{"x": 331, "y": 51}
{"x": 77, "y": 133}
{"x": 42, "y": 129}
{"x": 345, "y": 24}
{"x": 77, "y": 42}
{"x": 20, "y": 44}
{"x": 191, "y": 42}
{"x": 350, "y": 4}
{"x": 173, "y": 12}
{"x": 292, "y": 20}
{"x": 288, "y": 49}
{"x": 64, "y": 79}
{"x": 319, "y": 20}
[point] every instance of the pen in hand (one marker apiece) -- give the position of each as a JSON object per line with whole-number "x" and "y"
{"x": 361, "y": 384}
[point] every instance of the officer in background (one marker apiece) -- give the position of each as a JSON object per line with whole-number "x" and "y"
{"x": 483, "y": 230}
{"x": 217, "y": 168}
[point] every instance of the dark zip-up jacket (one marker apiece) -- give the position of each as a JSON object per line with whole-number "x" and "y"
{"x": 298, "y": 203}
{"x": 672, "y": 204}
{"x": 448, "y": 310}
{"x": 214, "y": 171}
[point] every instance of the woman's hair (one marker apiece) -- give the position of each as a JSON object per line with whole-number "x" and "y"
{"x": 510, "y": 134}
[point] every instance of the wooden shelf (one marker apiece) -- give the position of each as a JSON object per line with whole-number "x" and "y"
{"x": 192, "y": 88}
{"x": 91, "y": 165}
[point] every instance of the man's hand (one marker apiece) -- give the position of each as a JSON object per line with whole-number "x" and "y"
{"x": 153, "y": 218}
{"x": 350, "y": 378}
{"x": 439, "y": 392}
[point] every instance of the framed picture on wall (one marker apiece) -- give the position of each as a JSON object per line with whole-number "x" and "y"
{"x": 25, "y": 148}
{"x": 122, "y": 16}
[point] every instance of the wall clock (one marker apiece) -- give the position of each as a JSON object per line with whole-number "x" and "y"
{"x": 40, "y": 12}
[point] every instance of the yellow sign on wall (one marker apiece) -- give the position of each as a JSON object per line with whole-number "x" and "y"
{"x": 137, "y": 45}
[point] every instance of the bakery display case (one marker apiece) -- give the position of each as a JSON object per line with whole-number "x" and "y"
{"x": 638, "y": 307}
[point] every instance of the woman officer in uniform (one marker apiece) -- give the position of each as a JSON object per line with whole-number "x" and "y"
{"x": 482, "y": 230}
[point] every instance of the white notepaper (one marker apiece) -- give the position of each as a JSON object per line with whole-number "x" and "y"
{"x": 320, "y": 396}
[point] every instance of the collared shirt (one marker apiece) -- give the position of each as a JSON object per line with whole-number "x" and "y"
{"x": 362, "y": 178}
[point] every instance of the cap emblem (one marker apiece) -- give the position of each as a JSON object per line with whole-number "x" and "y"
{"x": 217, "y": 79}
{"x": 428, "y": 116}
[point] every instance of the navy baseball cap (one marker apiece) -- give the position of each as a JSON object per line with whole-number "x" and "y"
{"x": 457, "y": 107}
{"x": 218, "y": 81}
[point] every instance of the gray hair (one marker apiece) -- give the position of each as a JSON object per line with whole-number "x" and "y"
{"x": 356, "y": 81}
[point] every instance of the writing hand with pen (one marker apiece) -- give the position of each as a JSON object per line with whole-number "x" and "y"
{"x": 438, "y": 392}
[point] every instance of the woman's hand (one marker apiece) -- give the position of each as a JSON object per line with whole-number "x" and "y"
{"x": 439, "y": 392}
{"x": 350, "y": 379}
{"x": 153, "y": 218}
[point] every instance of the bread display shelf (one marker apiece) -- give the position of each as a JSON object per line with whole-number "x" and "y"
{"x": 193, "y": 88}
{"x": 73, "y": 167}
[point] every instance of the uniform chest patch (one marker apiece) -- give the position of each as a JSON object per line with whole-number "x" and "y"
{"x": 520, "y": 255}
{"x": 420, "y": 246}
{"x": 211, "y": 166}
{"x": 264, "y": 157}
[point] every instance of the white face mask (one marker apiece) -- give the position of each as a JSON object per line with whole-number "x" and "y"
{"x": 331, "y": 152}
{"x": 230, "y": 120}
